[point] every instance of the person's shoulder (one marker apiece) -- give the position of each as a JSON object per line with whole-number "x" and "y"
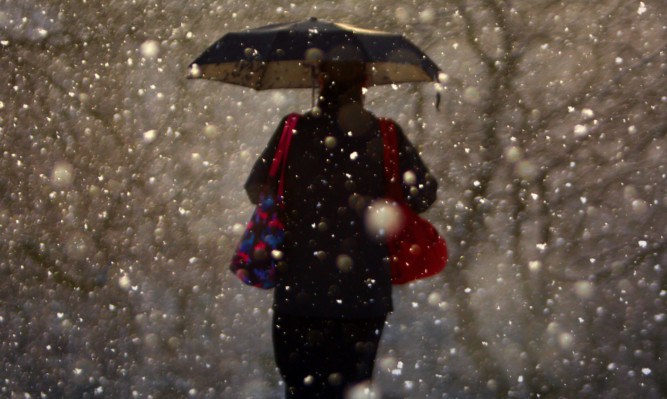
{"x": 309, "y": 114}
{"x": 388, "y": 119}
{"x": 292, "y": 115}
{"x": 287, "y": 117}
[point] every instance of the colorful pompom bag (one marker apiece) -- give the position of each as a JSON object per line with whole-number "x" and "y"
{"x": 417, "y": 250}
{"x": 259, "y": 252}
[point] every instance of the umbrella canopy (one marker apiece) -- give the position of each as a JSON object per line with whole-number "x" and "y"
{"x": 286, "y": 55}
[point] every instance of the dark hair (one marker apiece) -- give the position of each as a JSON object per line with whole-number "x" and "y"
{"x": 341, "y": 79}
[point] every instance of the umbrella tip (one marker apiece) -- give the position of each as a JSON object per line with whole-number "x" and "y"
{"x": 194, "y": 71}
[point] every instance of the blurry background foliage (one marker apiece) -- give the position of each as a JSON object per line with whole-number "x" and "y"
{"x": 121, "y": 199}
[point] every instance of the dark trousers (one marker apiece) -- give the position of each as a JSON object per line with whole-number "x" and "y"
{"x": 322, "y": 358}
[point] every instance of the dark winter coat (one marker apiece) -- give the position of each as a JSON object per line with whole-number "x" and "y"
{"x": 335, "y": 269}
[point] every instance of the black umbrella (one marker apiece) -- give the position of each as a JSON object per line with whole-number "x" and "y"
{"x": 286, "y": 55}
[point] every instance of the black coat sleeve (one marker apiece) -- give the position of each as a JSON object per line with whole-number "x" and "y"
{"x": 258, "y": 180}
{"x": 419, "y": 186}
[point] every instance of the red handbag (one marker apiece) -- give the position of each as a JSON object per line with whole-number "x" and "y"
{"x": 417, "y": 250}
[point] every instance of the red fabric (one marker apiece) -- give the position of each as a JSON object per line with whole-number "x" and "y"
{"x": 417, "y": 250}
{"x": 280, "y": 158}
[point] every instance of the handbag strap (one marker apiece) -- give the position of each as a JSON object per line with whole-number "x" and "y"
{"x": 390, "y": 156}
{"x": 280, "y": 157}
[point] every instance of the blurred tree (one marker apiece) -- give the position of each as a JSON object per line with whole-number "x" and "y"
{"x": 559, "y": 123}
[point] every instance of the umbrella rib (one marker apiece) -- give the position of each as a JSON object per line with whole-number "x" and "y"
{"x": 262, "y": 75}
{"x": 366, "y": 56}
{"x": 260, "y": 81}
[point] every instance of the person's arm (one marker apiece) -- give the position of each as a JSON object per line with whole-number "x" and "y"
{"x": 419, "y": 186}
{"x": 258, "y": 180}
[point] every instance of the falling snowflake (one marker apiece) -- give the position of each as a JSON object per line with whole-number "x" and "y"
{"x": 642, "y": 8}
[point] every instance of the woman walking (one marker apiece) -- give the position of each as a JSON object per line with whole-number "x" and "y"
{"x": 334, "y": 292}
